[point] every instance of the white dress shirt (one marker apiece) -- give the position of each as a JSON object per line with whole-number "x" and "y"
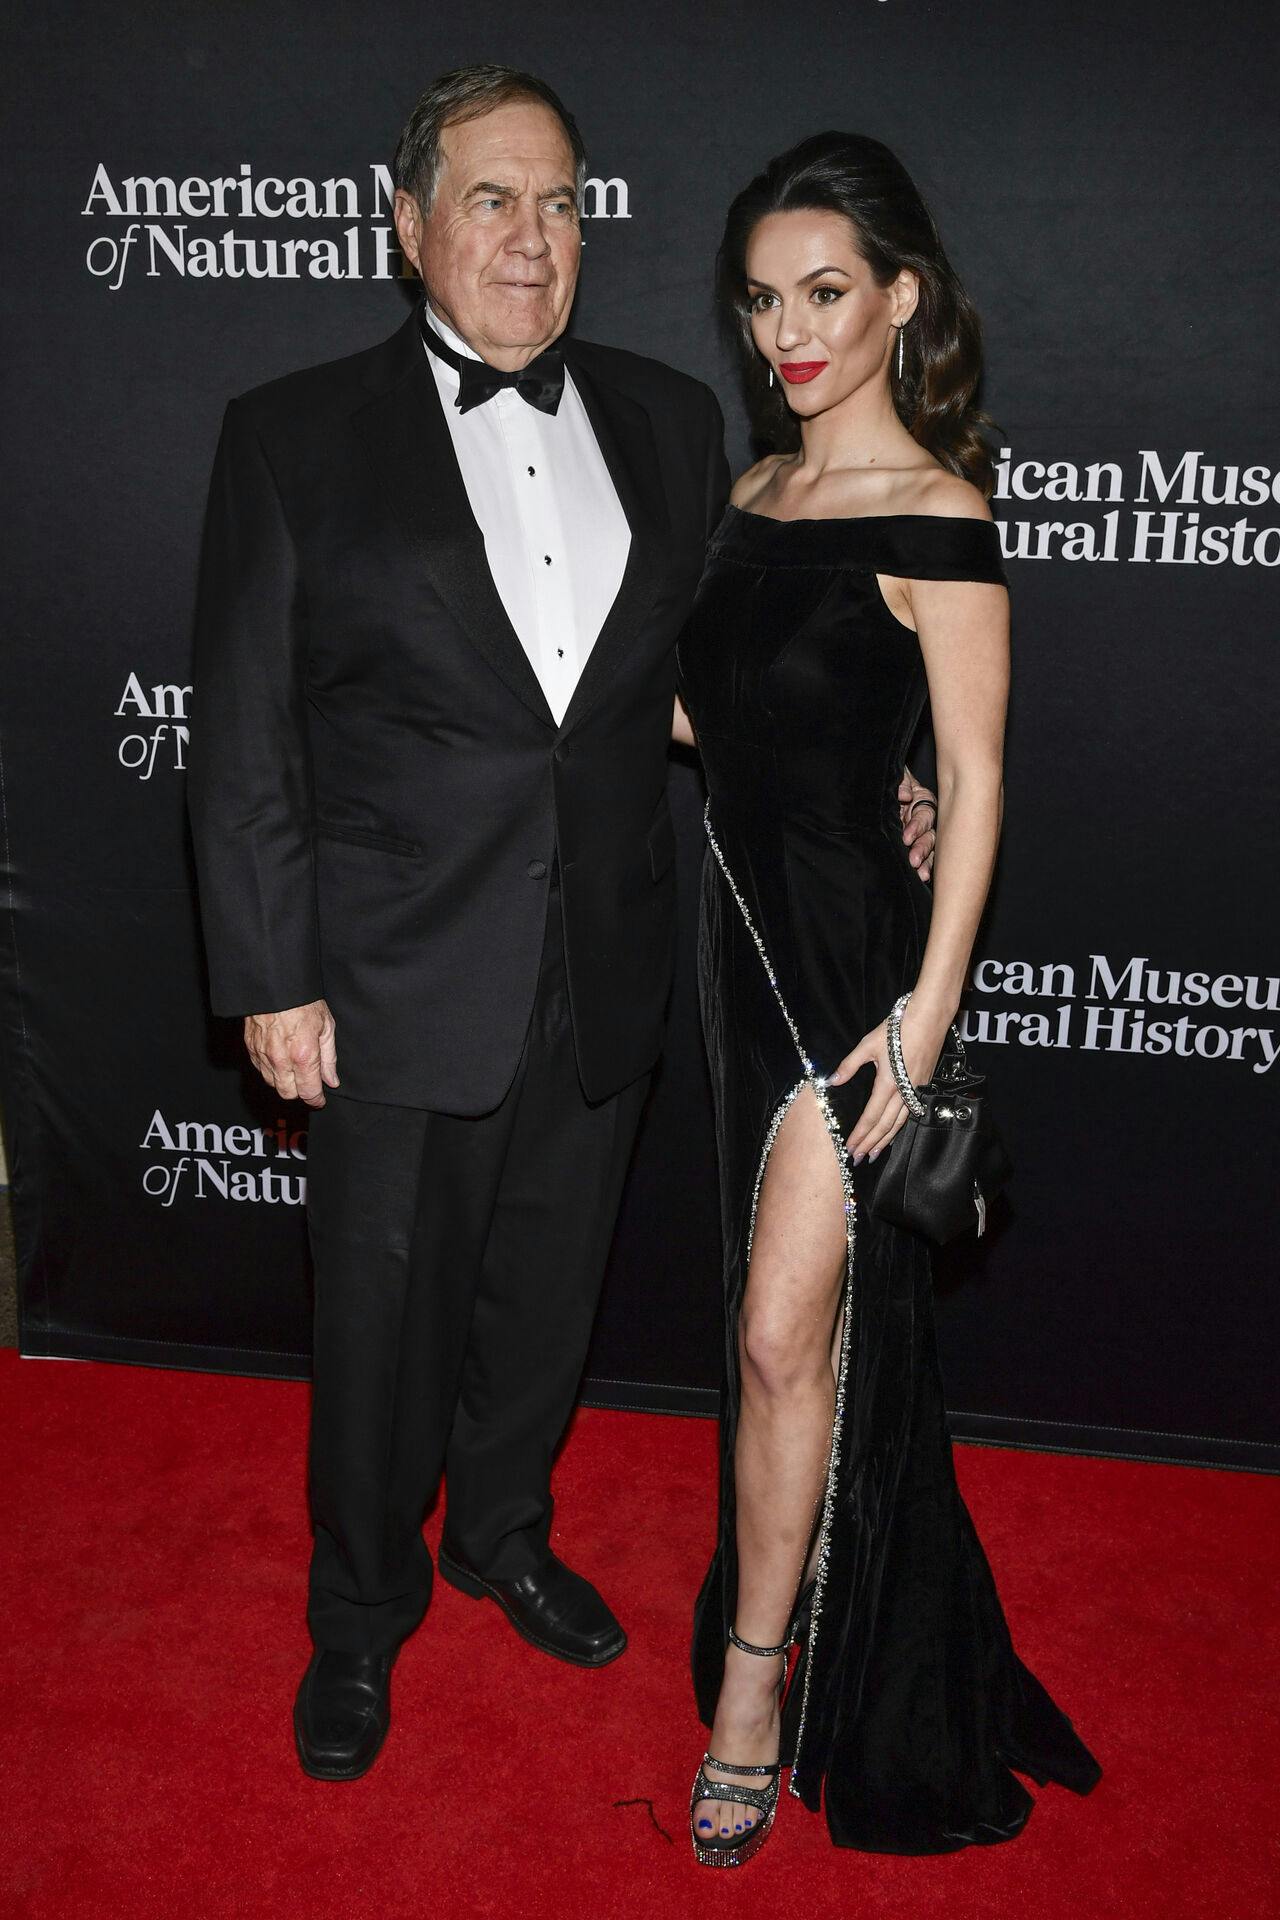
{"x": 555, "y": 535}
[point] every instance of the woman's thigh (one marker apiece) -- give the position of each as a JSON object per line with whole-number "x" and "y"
{"x": 799, "y": 1245}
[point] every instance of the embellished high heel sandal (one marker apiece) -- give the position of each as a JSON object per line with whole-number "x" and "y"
{"x": 735, "y": 1851}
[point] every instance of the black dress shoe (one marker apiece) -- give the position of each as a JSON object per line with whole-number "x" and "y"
{"x": 342, "y": 1712}
{"x": 554, "y": 1609}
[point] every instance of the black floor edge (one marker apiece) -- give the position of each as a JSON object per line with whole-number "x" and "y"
{"x": 646, "y": 1396}
{"x": 255, "y": 1364}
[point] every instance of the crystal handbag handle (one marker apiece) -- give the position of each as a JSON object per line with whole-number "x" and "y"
{"x": 893, "y": 1028}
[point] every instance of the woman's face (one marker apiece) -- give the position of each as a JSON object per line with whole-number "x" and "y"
{"x": 817, "y": 313}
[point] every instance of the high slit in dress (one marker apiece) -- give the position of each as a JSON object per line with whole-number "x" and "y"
{"x": 909, "y": 1714}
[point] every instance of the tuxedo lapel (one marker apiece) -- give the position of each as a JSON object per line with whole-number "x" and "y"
{"x": 625, "y": 437}
{"x": 407, "y": 439}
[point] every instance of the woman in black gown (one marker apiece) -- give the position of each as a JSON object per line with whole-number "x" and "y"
{"x": 856, "y": 574}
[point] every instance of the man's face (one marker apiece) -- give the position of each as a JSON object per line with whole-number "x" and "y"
{"x": 499, "y": 250}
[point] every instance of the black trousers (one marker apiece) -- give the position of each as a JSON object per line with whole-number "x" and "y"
{"x": 458, "y": 1265}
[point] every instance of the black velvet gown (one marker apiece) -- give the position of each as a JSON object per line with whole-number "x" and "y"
{"x": 908, "y": 1709}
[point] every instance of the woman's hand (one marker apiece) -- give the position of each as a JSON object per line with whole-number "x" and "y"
{"x": 918, "y": 812}
{"x": 924, "y": 1029}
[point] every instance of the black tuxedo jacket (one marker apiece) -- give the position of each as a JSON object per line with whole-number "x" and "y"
{"x": 377, "y": 786}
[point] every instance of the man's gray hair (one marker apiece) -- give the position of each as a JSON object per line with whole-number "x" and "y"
{"x": 465, "y": 94}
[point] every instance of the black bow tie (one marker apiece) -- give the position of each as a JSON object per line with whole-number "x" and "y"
{"x": 540, "y": 383}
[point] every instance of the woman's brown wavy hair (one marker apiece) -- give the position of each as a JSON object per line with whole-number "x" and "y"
{"x": 935, "y": 395}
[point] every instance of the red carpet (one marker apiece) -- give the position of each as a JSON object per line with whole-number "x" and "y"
{"x": 154, "y": 1544}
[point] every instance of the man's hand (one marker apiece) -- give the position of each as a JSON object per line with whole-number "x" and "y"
{"x": 918, "y": 808}
{"x": 296, "y": 1051}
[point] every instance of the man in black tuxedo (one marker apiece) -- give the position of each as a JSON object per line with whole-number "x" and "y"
{"x": 440, "y": 591}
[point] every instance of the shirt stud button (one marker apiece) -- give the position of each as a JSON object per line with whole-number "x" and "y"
{"x": 532, "y": 471}
{"x": 547, "y": 558}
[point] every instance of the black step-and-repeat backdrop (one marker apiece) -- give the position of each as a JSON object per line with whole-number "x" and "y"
{"x": 198, "y": 199}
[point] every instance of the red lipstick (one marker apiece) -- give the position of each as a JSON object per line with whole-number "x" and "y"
{"x": 796, "y": 372}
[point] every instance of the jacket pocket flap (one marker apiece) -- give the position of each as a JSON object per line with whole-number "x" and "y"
{"x": 360, "y": 837}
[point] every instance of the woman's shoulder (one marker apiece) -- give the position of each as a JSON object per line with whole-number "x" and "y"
{"x": 927, "y": 491}
{"x": 943, "y": 529}
{"x": 925, "y": 523}
{"x": 750, "y": 485}
{"x": 935, "y": 493}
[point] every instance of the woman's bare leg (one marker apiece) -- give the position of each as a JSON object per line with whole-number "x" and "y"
{"x": 789, "y": 1308}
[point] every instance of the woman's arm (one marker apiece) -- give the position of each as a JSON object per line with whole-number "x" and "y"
{"x": 964, "y": 636}
{"x": 681, "y": 726}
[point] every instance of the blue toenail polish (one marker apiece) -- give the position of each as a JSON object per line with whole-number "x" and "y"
{"x": 738, "y": 1827}
{"x": 724, "y": 1829}
{"x": 704, "y": 1824}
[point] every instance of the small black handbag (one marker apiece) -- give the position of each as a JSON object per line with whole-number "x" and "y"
{"x": 947, "y": 1162}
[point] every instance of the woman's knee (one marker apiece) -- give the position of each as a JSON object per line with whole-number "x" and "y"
{"x": 782, "y": 1352}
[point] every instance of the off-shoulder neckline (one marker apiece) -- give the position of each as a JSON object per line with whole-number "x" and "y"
{"x": 861, "y": 519}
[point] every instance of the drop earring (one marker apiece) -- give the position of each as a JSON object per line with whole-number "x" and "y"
{"x": 900, "y": 330}
{"x": 771, "y": 376}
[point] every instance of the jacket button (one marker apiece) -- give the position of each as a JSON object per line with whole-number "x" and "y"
{"x": 537, "y": 869}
